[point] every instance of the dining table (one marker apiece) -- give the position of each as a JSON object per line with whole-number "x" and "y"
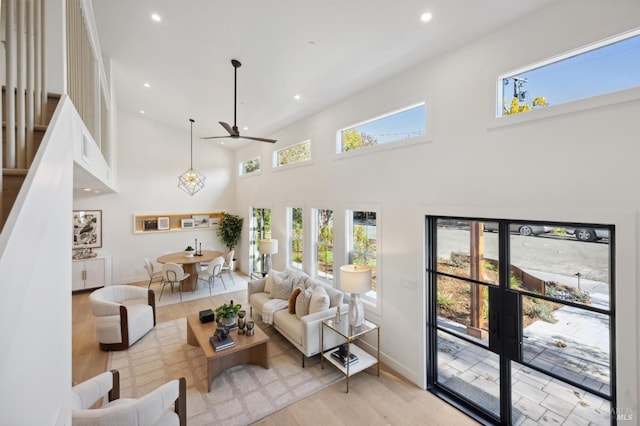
{"x": 190, "y": 264}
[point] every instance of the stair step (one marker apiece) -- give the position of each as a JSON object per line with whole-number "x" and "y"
{"x": 12, "y": 180}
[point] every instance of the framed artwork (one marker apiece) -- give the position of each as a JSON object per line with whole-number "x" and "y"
{"x": 214, "y": 222}
{"x": 187, "y": 223}
{"x": 87, "y": 228}
{"x": 163, "y": 222}
{"x": 150, "y": 225}
{"x": 201, "y": 220}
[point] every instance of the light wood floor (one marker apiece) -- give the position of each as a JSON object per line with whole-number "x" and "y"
{"x": 385, "y": 400}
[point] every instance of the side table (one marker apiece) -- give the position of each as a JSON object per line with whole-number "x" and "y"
{"x": 350, "y": 334}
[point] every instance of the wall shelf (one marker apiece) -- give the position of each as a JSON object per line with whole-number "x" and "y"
{"x": 146, "y": 223}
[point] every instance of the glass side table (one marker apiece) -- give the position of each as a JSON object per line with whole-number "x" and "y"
{"x": 350, "y": 334}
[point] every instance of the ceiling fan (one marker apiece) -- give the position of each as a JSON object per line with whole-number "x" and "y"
{"x": 233, "y": 131}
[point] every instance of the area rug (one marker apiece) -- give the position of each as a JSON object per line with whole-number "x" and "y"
{"x": 202, "y": 290}
{"x": 241, "y": 395}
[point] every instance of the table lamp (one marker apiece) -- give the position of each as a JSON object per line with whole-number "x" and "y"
{"x": 355, "y": 279}
{"x": 267, "y": 247}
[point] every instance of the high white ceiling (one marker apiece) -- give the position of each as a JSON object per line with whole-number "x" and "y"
{"x": 323, "y": 50}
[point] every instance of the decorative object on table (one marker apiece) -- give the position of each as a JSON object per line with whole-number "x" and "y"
{"x": 207, "y": 316}
{"x": 186, "y": 223}
{"x": 222, "y": 340}
{"x": 163, "y": 223}
{"x": 198, "y": 253}
{"x": 87, "y": 229}
{"x": 267, "y": 247}
{"x": 189, "y": 251}
{"x": 250, "y": 325}
{"x": 230, "y": 230}
{"x": 340, "y": 355}
{"x": 355, "y": 279}
{"x": 192, "y": 180}
{"x": 227, "y": 314}
{"x": 242, "y": 322}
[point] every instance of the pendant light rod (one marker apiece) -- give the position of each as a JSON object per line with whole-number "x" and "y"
{"x": 192, "y": 121}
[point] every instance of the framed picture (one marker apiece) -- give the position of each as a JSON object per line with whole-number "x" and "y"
{"x": 87, "y": 228}
{"x": 150, "y": 225}
{"x": 163, "y": 222}
{"x": 214, "y": 222}
{"x": 201, "y": 220}
{"x": 187, "y": 223}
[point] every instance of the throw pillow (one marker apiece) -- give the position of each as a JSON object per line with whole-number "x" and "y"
{"x": 302, "y": 302}
{"x": 268, "y": 284}
{"x": 281, "y": 288}
{"x": 292, "y": 299}
{"x": 335, "y": 296}
{"x": 319, "y": 300}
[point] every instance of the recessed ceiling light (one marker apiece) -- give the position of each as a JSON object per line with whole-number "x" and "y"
{"x": 296, "y": 97}
{"x": 245, "y": 128}
{"x": 96, "y": 192}
{"x": 141, "y": 111}
{"x": 426, "y": 17}
{"x": 146, "y": 85}
{"x": 86, "y": 189}
{"x": 156, "y": 17}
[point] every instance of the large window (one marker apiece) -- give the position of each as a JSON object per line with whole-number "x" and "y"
{"x": 250, "y": 166}
{"x": 363, "y": 245}
{"x": 294, "y": 154}
{"x": 295, "y": 237}
{"x": 521, "y": 319}
{"x": 260, "y": 229}
{"x": 395, "y": 126}
{"x": 604, "y": 67}
{"x": 323, "y": 235}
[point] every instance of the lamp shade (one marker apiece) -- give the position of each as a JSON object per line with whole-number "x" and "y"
{"x": 355, "y": 278}
{"x": 268, "y": 246}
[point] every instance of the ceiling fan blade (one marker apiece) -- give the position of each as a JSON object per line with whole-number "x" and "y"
{"x": 259, "y": 139}
{"x": 228, "y": 128}
{"x": 216, "y": 137}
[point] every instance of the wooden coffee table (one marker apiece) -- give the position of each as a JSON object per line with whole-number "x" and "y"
{"x": 248, "y": 349}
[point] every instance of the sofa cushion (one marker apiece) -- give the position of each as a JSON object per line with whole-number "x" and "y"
{"x": 268, "y": 284}
{"x": 282, "y": 287}
{"x": 319, "y": 300}
{"x": 257, "y": 300}
{"x": 289, "y": 325}
{"x": 292, "y": 299}
{"x": 302, "y": 302}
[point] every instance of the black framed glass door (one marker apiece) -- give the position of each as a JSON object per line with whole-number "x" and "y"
{"x": 521, "y": 319}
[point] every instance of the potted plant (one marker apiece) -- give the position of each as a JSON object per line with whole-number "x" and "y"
{"x": 226, "y": 313}
{"x": 189, "y": 251}
{"x": 230, "y": 229}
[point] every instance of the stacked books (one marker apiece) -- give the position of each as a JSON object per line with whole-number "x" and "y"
{"x": 219, "y": 345}
{"x": 342, "y": 359}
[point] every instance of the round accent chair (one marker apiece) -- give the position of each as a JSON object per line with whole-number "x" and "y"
{"x": 124, "y": 315}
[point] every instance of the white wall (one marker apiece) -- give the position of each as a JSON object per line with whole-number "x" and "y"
{"x": 35, "y": 310}
{"x": 150, "y": 157}
{"x": 580, "y": 166}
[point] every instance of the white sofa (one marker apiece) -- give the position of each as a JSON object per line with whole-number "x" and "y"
{"x": 303, "y": 332}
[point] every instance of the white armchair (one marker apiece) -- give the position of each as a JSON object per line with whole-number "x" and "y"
{"x": 125, "y": 314}
{"x": 155, "y": 408}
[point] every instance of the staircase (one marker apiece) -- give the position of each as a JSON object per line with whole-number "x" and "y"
{"x": 13, "y": 177}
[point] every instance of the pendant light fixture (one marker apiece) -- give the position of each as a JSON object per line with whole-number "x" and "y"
{"x": 192, "y": 180}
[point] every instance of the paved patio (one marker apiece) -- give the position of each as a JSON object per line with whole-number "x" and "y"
{"x": 576, "y": 346}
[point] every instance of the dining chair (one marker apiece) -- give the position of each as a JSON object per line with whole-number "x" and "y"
{"x": 205, "y": 265}
{"x": 153, "y": 274}
{"x": 213, "y": 270}
{"x": 228, "y": 264}
{"x": 172, "y": 273}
